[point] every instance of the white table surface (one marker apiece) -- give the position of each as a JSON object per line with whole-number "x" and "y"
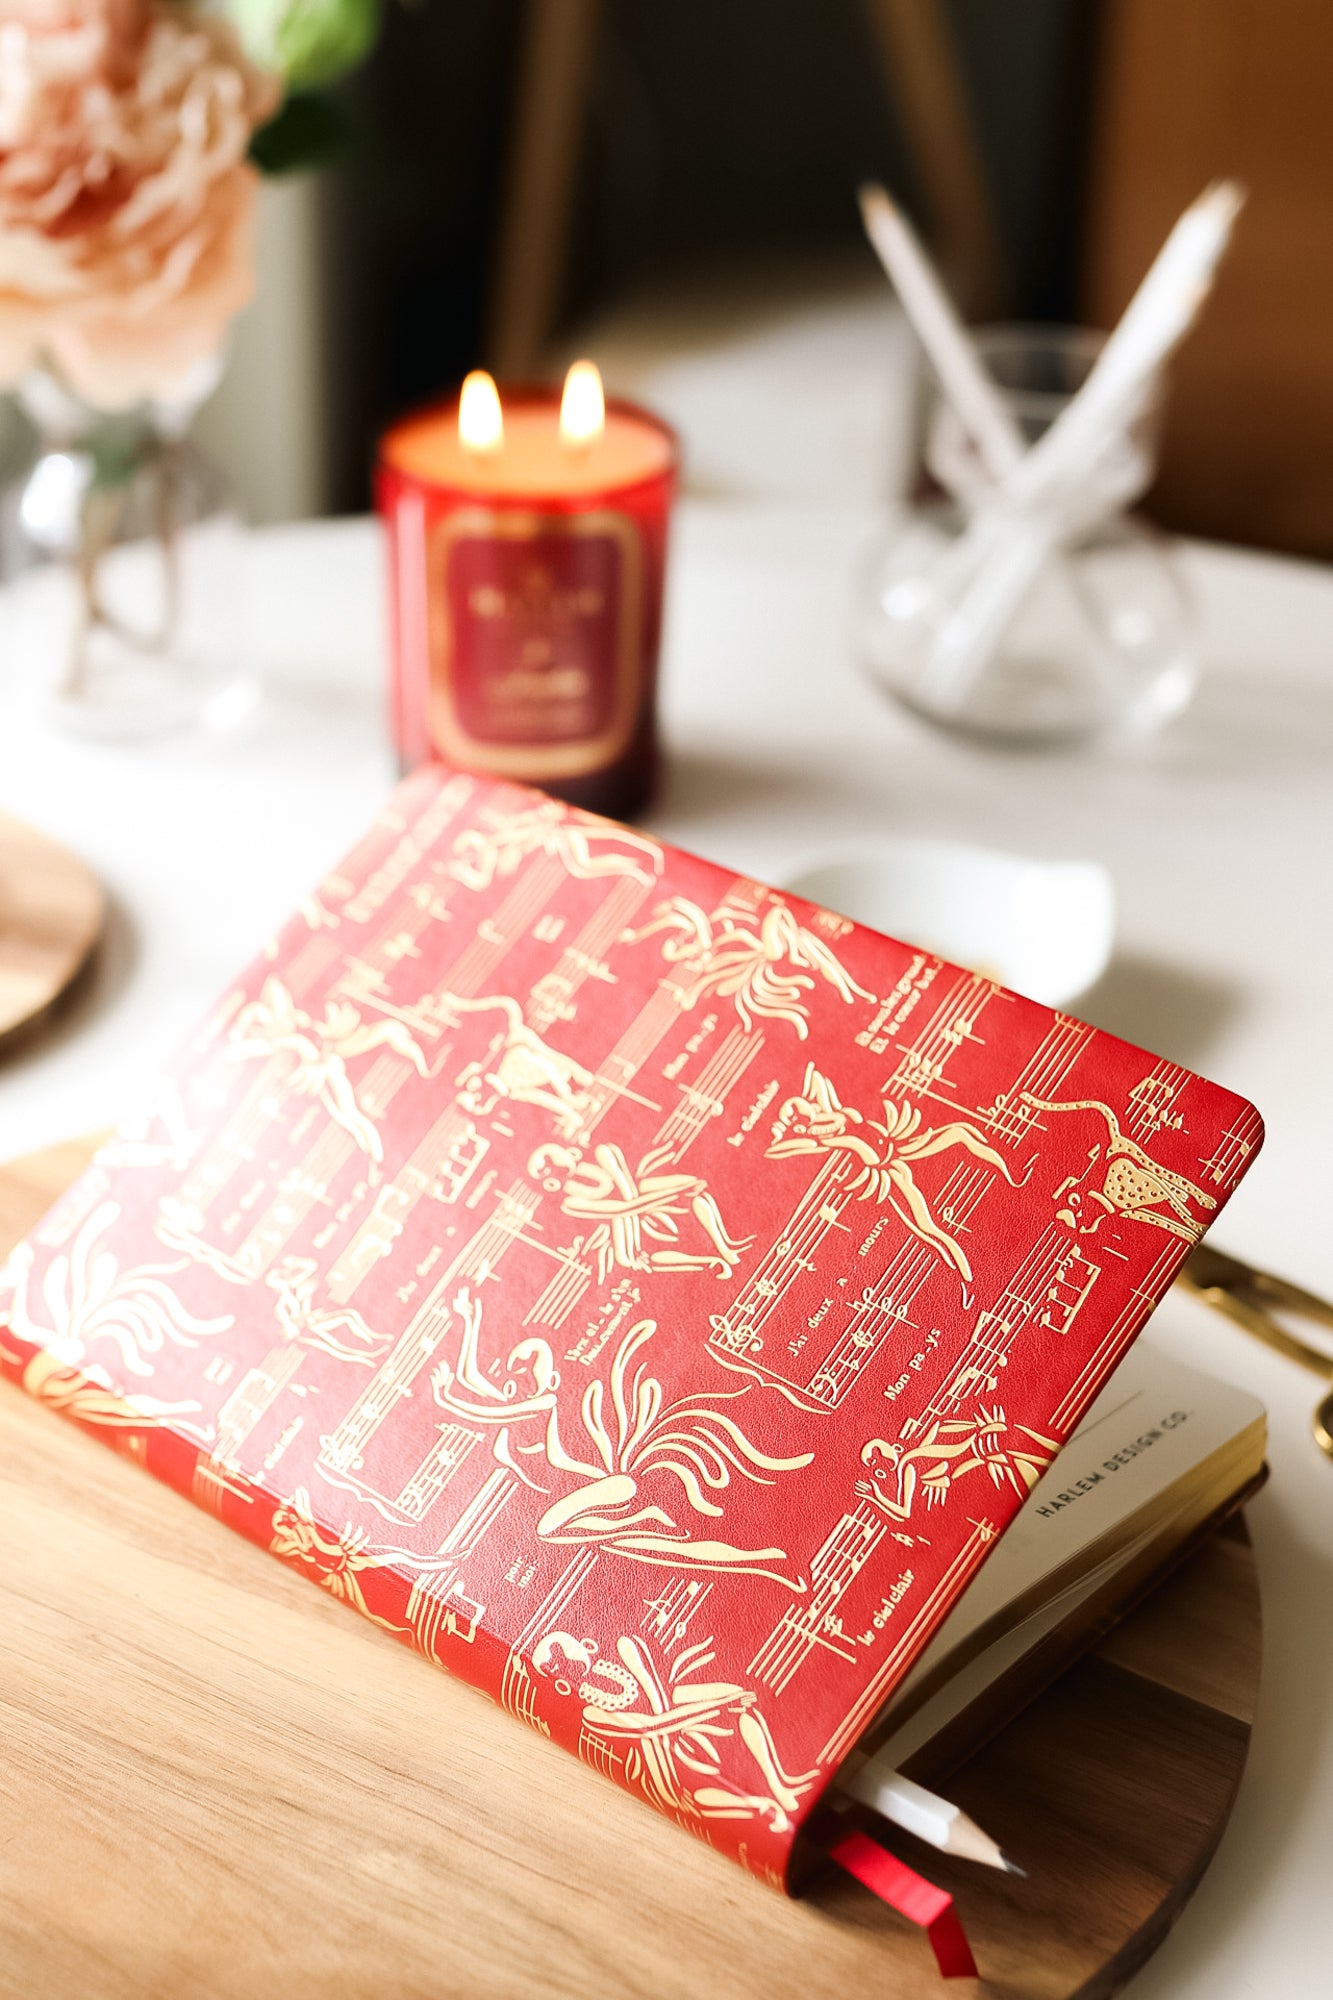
{"x": 1219, "y": 837}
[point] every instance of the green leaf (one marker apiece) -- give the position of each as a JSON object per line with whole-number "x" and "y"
{"x": 310, "y": 43}
{"x": 309, "y": 131}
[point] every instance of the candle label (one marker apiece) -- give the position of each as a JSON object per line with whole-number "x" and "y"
{"x": 534, "y": 640}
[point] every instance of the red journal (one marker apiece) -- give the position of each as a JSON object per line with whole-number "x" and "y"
{"x": 646, "y": 1294}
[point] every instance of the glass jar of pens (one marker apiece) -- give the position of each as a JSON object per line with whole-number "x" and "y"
{"x": 1018, "y": 622}
{"x": 1016, "y": 599}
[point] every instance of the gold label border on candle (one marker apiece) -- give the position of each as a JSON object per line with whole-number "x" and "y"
{"x": 533, "y": 762}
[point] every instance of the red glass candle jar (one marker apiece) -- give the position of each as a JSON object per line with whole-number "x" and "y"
{"x": 525, "y": 590}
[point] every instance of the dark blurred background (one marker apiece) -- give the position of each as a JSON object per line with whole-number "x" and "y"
{"x": 691, "y": 141}
{"x": 521, "y": 169}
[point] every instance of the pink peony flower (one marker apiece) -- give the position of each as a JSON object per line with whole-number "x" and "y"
{"x": 126, "y": 202}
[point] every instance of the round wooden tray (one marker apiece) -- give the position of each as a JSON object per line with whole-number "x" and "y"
{"x": 269, "y": 1793}
{"x": 1113, "y": 1787}
{"x": 51, "y": 914}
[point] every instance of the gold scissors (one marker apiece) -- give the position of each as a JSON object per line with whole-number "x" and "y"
{"x": 1249, "y": 1297}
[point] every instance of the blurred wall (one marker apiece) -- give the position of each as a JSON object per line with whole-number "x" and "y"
{"x": 371, "y": 275}
{"x": 749, "y": 125}
{"x": 270, "y": 421}
{"x": 715, "y": 138}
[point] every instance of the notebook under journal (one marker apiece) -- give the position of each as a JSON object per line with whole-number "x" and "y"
{"x": 647, "y": 1295}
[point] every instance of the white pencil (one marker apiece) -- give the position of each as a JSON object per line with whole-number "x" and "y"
{"x": 1155, "y": 321}
{"x": 929, "y": 1817}
{"x": 941, "y": 333}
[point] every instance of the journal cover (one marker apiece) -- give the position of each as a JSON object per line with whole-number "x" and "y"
{"x": 646, "y": 1294}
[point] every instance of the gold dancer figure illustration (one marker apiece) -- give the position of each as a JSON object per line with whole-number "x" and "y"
{"x": 343, "y": 1563}
{"x": 928, "y": 1468}
{"x": 76, "y": 1395}
{"x": 634, "y": 1213}
{"x": 87, "y": 1298}
{"x": 294, "y": 1280}
{"x": 274, "y": 1025}
{"x": 1134, "y": 1185}
{"x": 587, "y": 848}
{"x": 464, "y": 1388}
{"x": 667, "y": 1728}
{"x": 520, "y": 1066}
{"x": 634, "y": 1438}
{"x": 816, "y": 1122}
{"x": 742, "y": 962}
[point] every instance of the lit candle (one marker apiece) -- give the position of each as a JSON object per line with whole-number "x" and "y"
{"x": 527, "y": 541}
{"x": 481, "y": 423}
{"x": 582, "y": 406}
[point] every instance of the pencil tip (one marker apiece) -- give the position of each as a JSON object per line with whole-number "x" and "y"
{"x": 1012, "y": 1867}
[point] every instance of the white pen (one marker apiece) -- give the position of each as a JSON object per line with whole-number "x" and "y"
{"x": 931, "y": 1818}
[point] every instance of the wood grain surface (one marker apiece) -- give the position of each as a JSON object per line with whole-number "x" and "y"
{"x": 51, "y": 914}
{"x": 1186, "y": 93}
{"x": 219, "y": 1782}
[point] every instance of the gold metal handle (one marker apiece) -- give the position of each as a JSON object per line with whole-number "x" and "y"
{"x": 1322, "y": 1424}
{"x": 1245, "y": 1295}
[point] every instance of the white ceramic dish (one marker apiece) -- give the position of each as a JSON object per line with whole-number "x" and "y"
{"x": 1045, "y": 928}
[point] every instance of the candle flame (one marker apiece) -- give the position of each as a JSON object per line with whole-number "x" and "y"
{"x": 481, "y": 424}
{"x": 582, "y": 406}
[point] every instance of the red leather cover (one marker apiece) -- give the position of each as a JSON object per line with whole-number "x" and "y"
{"x": 646, "y": 1294}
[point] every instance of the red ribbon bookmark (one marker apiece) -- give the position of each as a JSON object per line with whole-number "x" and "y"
{"x": 913, "y": 1897}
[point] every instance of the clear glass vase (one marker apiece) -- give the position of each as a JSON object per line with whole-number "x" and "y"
{"x": 1030, "y": 629}
{"x": 122, "y": 611}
